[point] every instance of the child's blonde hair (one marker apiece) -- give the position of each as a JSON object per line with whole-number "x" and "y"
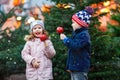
{"x": 31, "y": 36}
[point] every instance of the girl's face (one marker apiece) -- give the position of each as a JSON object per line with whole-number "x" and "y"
{"x": 75, "y": 25}
{"x": 37, "y": 30}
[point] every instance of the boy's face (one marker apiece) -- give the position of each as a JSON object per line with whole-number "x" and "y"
{"x": 75, "y": 25}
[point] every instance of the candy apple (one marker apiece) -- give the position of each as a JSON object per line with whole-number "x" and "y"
{"x": 43, "y": 37}
{"x": 60, "y": 30}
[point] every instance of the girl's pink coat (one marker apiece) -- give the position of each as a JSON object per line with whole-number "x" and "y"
{"x": 43, "y": 52}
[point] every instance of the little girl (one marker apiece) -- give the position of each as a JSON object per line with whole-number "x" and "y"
{"x": 38, "y": 54}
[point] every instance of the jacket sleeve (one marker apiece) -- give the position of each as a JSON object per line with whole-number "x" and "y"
{"x": 78, "y": 42}
{"x": 25, "y": 53}
{"x": 49, "y": 50}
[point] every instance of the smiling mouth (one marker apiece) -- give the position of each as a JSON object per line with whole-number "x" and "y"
{"x": 37, "y": 33}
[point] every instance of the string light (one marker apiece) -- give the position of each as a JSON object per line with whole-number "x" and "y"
{"x": 107, "y": 3}
{"x": 19, "y": 18}
{"x": 30, "y": 19}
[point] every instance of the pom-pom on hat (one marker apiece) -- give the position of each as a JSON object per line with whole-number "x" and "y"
{"x": 83, "y": 17}
{"x": 39, "y": 22}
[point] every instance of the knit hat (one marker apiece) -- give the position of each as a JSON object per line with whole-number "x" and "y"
{"x": 83, "y": 17}
{"x": 40, "y": 22}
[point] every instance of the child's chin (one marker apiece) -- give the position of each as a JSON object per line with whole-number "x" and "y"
{"x": 37, "y": 36}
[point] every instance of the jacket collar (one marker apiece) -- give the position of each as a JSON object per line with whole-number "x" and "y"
{"x": 79, "y": 30}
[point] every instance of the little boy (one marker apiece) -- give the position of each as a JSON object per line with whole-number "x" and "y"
{"x": 78, "y": 60}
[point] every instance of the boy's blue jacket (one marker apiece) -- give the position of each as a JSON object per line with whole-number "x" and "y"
{"x": 78, "y": 50}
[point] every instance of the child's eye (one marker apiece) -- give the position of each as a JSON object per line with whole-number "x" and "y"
{"x": 39, "y": 27}
{"x": 34, "y": 28}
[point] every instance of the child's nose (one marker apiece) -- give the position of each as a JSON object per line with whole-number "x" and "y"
{"x": 37, "y": 29}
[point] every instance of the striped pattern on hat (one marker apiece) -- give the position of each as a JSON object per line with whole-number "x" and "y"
{"x": 82, "y": 18}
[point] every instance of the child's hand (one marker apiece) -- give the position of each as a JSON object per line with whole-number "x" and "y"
{"x": 62, "y": 36}
{"x": 35, "y": 63}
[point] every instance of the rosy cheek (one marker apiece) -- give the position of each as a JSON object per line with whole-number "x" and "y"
{"x": 72, "y": 24}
